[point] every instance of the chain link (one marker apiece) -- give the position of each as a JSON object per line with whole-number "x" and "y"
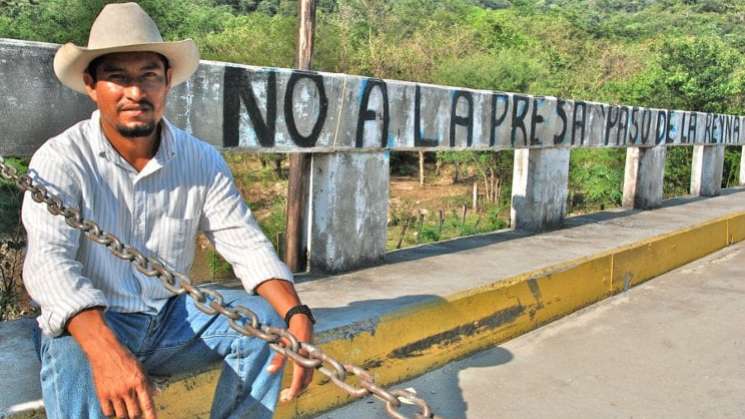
{"x": 211, "y": 302}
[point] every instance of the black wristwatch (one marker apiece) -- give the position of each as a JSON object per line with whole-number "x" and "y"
{"x": 299, "y": 309}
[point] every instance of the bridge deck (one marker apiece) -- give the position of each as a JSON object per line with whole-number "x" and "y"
{"x": 429, "y": 305}
{"x": 671, "y": 348}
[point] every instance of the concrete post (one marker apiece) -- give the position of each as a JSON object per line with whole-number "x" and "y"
{"x": 539, "y": 188}
{"x": 644, "y": 177}
{"x": 349, "y": 210}
{"x": 706, "y": 173}
{"x": 742, "y": 167}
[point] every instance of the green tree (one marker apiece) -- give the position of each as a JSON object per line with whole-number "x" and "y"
{"x": 256, "y": 39}
{"x": 63, "y": 21}
{"x": 677, "y": 179}
{"x": 596, "y": 177}
{"x": 731, "y": 170}
{"x": 692, "y": 73}
{"x": 493, "y": 170}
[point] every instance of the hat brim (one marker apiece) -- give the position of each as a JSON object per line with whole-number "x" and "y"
{"x": 71, "y": 61}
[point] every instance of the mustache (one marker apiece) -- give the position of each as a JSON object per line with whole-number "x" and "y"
{"x": 143, "y": 105}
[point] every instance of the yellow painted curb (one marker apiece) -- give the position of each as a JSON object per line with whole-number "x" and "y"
{"x": 417, "y": 339}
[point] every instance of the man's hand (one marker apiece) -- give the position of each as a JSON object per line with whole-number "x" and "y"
{"x": 282, "y": 296}
{"x": 122, "y": 387}
{"x": 302, "y": 328}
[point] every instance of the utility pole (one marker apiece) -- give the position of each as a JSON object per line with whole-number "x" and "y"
{"x": 297, "y": 189}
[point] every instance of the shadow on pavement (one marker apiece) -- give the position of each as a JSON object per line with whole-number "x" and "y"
{"x": 440, "y": 388}
{"x": 361, "y": 316}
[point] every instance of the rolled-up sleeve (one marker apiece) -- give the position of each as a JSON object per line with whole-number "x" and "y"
{"x": 51, "y": 273}
{"x": 228, "y": 223}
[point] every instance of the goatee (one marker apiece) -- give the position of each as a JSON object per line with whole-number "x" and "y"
{"x": 144, "y": 130}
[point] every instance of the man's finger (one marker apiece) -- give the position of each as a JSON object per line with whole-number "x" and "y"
{"x": 301, "y": 377}
{"x": 145, "y": 395}
{"x": 286, "y": 395}
{"x": 106, "y": 408}
{"x": 133, "y": 407}
{"x": 276, "y": 365}
{"x": 119, "y": 408}
{"x": 298, "y": 379}
{"x": 308, "y": 377}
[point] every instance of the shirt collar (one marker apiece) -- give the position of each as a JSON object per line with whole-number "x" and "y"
{"x": 167, "y": 149}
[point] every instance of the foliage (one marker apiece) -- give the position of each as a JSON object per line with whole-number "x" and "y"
{"x": 493, "y": 169}
{"x": 10, "y": 199}
{"x": 275, "y": 223}
{"x": 455, "y": 158}
{"x": 263, "y": 187}
{"x": 13, "y": 299}
{"x": 21, "y": 165}
{"x": 218, "y": 266}
{"x": 61, "y": 21}
{"x": 273, "y": 7}
{"x": 669, "y": 54}
{"x": 410, "y": 225}
{"x": 265, "y": 40}
{"x": 732, "y": 161}
{"x": 596, "y": 177}
{"x": 677, "y": 171}
{"x": 404, "y": 163}
{"x": 692, "y": 73}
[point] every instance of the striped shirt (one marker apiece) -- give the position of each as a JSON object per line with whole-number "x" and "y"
{"x": 185, "y": 188}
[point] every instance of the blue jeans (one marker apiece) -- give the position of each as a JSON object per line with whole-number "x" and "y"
{"x": 178, "y": 339}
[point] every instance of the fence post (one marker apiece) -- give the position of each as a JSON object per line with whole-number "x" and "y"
{"x": 539, "y": 188}
{"x": 349, "y": 210}
{"x": 297, "y": 187}
{"x": 742, "y": 167}
{"x": 706, "y": 173}
{"x": 644, "y": 177}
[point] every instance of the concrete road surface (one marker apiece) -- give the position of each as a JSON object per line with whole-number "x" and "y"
{"x": 671, "y": 348}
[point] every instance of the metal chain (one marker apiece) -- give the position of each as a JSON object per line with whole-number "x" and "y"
{"x": 210, "y": 302}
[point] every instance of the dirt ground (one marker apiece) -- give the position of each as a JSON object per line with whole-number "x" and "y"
{"x": 433, "y": 194}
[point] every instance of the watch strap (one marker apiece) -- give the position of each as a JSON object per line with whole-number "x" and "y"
{"x": 299, "y": 309}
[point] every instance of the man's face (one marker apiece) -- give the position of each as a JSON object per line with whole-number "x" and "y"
{"x": 130, "y": 89}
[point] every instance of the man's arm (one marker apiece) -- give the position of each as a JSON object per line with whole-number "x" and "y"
{"x": 230, "y": 226}
{"x": 51, "y": 272}
{"x": 68, "y": 299}
{"x": 121, "y": 385}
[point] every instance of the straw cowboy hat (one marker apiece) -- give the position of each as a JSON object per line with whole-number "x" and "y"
{"x": 123, "y": 28}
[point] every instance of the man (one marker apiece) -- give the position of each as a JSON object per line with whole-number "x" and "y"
{"x": 105, "y": 325}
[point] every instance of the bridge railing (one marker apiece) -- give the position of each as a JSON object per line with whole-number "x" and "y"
{"x": 350, "y": 123}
